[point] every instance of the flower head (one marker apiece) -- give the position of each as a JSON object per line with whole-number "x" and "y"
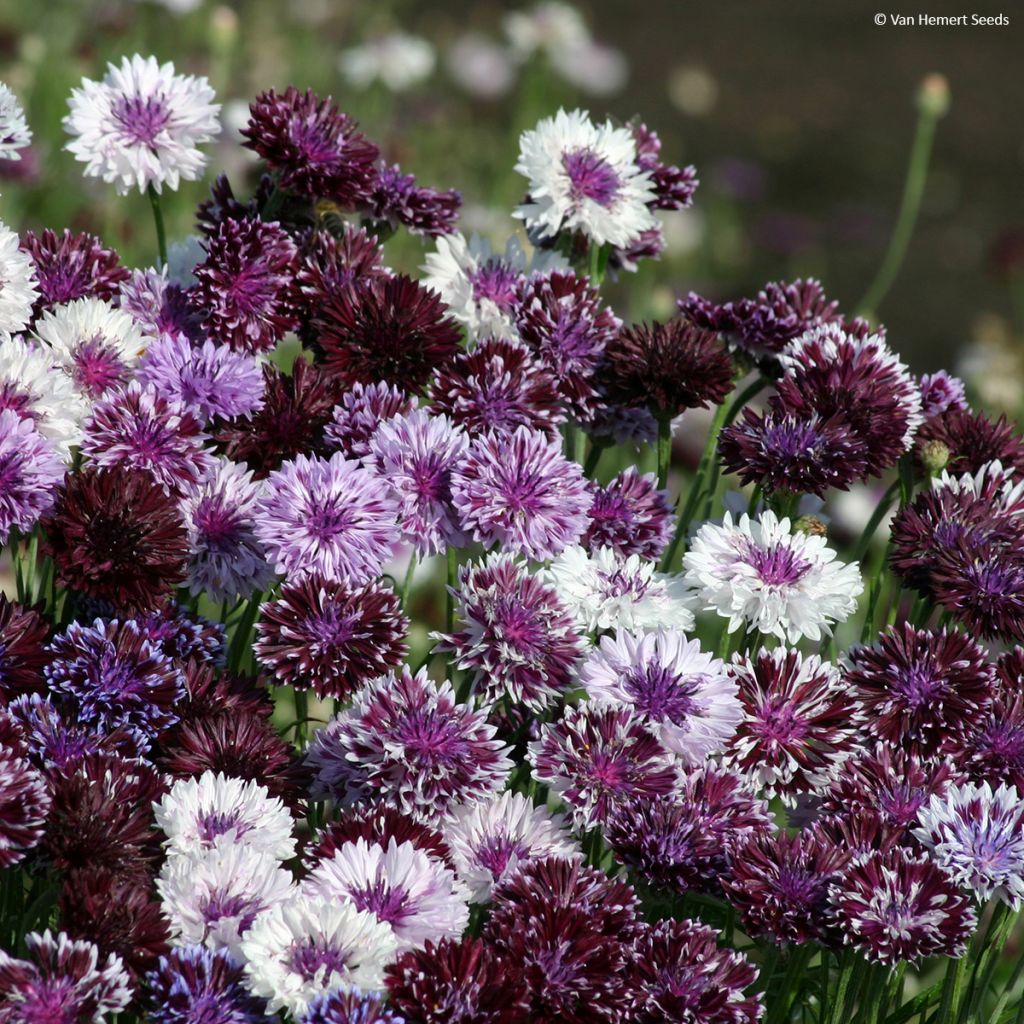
{"x": 360, "y": 411}
{"x": 30, "y": 472}
{"x": 331, "y": 263}
{"x": 974, "y": 440}
{"x": 18, "y": 288}
{"x": 763, "y": 574}
{"x": 941, "y": 391}
{"x": 24, "y": 799}
{"x": 23, "y": 634}
{"x": 71, "y": 266}
{"x": 141, "y": 126}
{"x": 394, "y": 198}
{"x": 629, "y": 515}
{"x": 192, "y": 982}
{"x": 351, "y": 1007}
{"x": 15, "y": 134}
{"x": 159, "y": 305}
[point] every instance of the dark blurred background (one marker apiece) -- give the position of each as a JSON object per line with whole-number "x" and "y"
{"x": 798, "y": 115}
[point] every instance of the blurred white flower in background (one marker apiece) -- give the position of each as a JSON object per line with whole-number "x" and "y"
{"x": 396, "y": 60}
{"x": 14, "y": 131}
{"x": 592, "y": 67}
{"x": 547, "y": 26}
{"x": 479, "y": 65}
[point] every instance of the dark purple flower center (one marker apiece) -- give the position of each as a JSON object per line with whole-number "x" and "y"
{"x": 590, "y": 177}
{"x": 517, "y": 627}
{"x": 316, "y": 141}
{"x": 386, "y": 902}
{"x": 429, "y": 738}
{"x": 230, "y": 905}
{"x": 1003, "y": 742}
{"x": 777, "y": 566}
{"x": 777, "y": 724}
{"x": 141, "y": 119}
{"x": 307, "y": 959}
{"x": 660, "y": 693}
{"x": 494, "y": 280}
{"x": 217, "y": 823}
{"x": 216, "y": 524}
{"x": 50, "y": 1001}
{"x": 97, "y": 366}
{"x": 328, "y": 521}
{"x": 496, "y": 851}
{"x": 919, "y": 686}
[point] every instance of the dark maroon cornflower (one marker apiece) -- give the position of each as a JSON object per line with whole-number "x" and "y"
{"x": 160, "y": 306}
{"x": 330, "y": 263}
{"x": 358, "y": 414}
{"x": 673, "y": 186}
{"x": 23, "y": 635}
{"x": 246, "y": 287}
{"x": 62, "y": 980}
{"x": 917, "y": 687}
{"x": 667, "y": 368}
{"x": 390, "y": 330}
{"x": 630, "y": 515}
{"x": 24, "y": 799}
{"x": 781, "y": 451}
{"x": 72, "y": 266}
{"x": 888, "y": 782}
{"x": 497, "y": 386}
{"x": 115, "y": 676}
{"x": 684, "y": 841}
{"x": 648, "y": 245}
{"x": 115, "y": 535}
{"x": 222, "y": 205}
{"x": 208, "y": 694}
{"x": 858, "y": 832}
{"x": 195, "y": 985}
{"x": 241, "y": 745}
{"x": 560, "y": 318}
{"x": 331, "y": 637}
{"x": 514, "y": 634}
{"x": 314, "y": 148}
{"x": 993, "y": 750}
{"x": 766, "y": 324}
{"x": 340, "y": 1007}
{"x": 780, "y": 886}
{"x": 102, "y": 813}
{"x": 457, "y": 982}
{"x": 679, "y": 976}
{"x": 598, "y": 758}
{"x": 115, "y": 910}
{"x": 296, "y": 409}
{"x": 378, "y": 824}
{"x": 799, "y": 725}
{"x": 973, "y": 440}
{"x": 894, "y": 907}
{"x": 394, "y": 198}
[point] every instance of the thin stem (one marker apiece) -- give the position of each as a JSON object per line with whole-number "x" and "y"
{"x": 876, "y": 520}
{"x": 407, "y": 582}
{"x": 664, "y": 449}
{"x": 453, "y": 580}
{"x": 158, "y": 220}
{"x": 597, "y": 449}
{"x": 243, "y": 633}
{"x": 952, "y": 990}
{"x": 301, "y": 716}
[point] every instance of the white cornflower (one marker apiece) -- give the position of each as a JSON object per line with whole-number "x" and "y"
{"x": 396, "y": 60}
{"x": 196, "y": 811}
{"x": 403, "y": 887}
{"x": 142, "y": 125}
{"x": 760, "y": 573}
{"x": 603, "y": 590}
{"x": 490, "y": 839}
{"x": 584, "y": 178}
{"x": 212, "y": 897}
{"x": 481, "y": 66}
{"x": 478, "y": 285}
{"x": 551, "y": 25}
{"x": 96, "y": 344}
{"x": 592, "y": 67}
{"x": 34, "y": 386}
{"x": 18, "y": 290}
{"x": 301, "y": 949}
{"x": 15, "y": 134}
{"x": 684, "y": 694}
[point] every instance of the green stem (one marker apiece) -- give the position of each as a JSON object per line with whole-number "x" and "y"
{"x": 1014, "y": 979}
{"x": 910, "y": 205}
{"x": 301, "y": 716}
{"x": 407, "y": 582}
{"x": 453, "y": 582}
{"x": 243, "y": 633}
{"x": 158, "y": 220}
{"x": 876, "y": 520}
{"x": 664, "y": 449}
{"x": 781, "y": 1005}
{"x": 952, "y": 991}
{"x": 987, "y": 961}
{"x": 597, "y": 449}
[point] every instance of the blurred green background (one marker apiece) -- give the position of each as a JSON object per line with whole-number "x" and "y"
{"x": 798, "y": 116}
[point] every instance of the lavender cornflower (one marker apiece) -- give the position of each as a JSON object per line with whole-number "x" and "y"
{"x": 415, "y": 456}
{"x": 513, "y": 633}
{"x": 520, "y": 491}
{"x": 684, "y": 696}
{"x": 941, "y": 391}
{"x": 211, "y": 381}
{"x": 394, "y": 198}
{"x": 191, "y": 982}
{"x": 71, "y": 266}
{"x": 360, "y": 411}
{"x": 327, "y": 516}
{"x": 405, "y": 740}
{"x": 351, "y": 1007}
{"x": 159, "y": 305}
{"x": 629, "y": 515}
{"x": 30, "y": 472}
{"x": 142, "y": 124}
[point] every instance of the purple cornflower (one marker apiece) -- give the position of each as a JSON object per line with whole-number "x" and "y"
{"x": 30, "y": 472}
{"x": 329, "y": 516}
{"x": 800, "y": 723}
{"x": 116, "y": 676}
{"x": 209, "y": 380}
{"x": 673, "y": 186}
{"x": 561, "y": 320}
{"x": 941, "y": 391}
{"x": 315, "y": 149}
{"x": 630, "y": 515}
{"x": 72, "y": 266}
{"x": 351, "y": 1007}
{"x": 221, "y": 205}
{"x": 330, "y": 636}
{"x": 415, "y": 455}
{"x": 184, "y": 635}
{"x": 598, "y": 758}
{"x": 138, "y": 428}
{"x": 158, "y": 305}
{"x": 513, "y": 633}
{"x": 520, "y": 491}
{"x": 916, "y": 688}
{"x": 64, "y": 979}
{"x": 498, "y": 386}
{"x": 360, "y": 412}
{"x": 24, "y": 797}
{"x": 226, "y": 559}
{"x": 895, "y": 907}
{"x": 245, "y": 288}
{"x": 683, "y": 695}
{"x": 679, "y": 975}
{"x": 406, "y": 741}
{"x": 394, "y": 198}
{"x": 993, "y": 749}
{"x": 977, "y": 834}
{"x": 193, "y": 984}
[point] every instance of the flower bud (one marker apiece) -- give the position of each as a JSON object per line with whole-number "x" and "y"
{"x": 933, "y": 95}
{"x": 934, "y": 456}
{"x": 810, "y": 525}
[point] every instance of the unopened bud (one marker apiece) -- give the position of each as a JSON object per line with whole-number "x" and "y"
{"x": 934, "y": 457}
{"x": 933, "y": 95}
{"x": 811, "y": 525}
{"x": 223, "y": 28}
